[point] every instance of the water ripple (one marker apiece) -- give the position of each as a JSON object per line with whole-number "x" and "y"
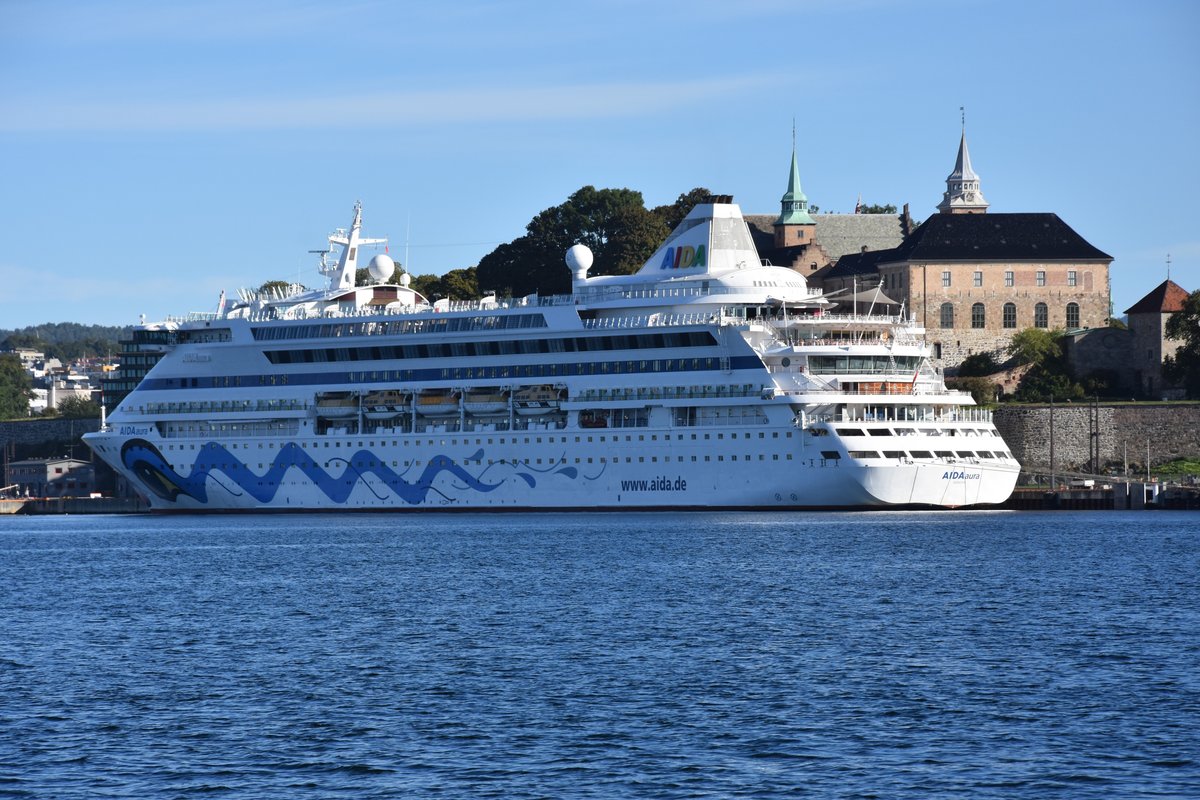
{"x": 891, "y": 655}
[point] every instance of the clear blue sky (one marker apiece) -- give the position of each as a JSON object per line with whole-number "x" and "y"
{"x": 155, "y": 152}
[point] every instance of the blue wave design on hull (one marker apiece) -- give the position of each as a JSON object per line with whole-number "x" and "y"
{"x": 147, "y": 463}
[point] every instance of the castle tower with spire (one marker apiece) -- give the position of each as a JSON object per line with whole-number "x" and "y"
{"x": 794, "y": 226}
{"x": 962, "y": 186}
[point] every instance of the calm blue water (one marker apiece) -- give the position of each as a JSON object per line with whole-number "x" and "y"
{"x": 891, "y": 655}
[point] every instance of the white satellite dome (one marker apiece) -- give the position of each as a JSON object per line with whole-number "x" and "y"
{"x": 405, "y": 279}
{"x": 579, "y": 259}
{"x": 381, "y": 268}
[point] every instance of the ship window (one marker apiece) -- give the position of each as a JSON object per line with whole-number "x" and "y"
{"x": 944, "y": 454}
{"x": 863, "y": 454}
{"x": 893, "y": 454}
{"x": 849, "y": 431}
{"x": 921, "y": 454}
{"x": 965, "y": 454}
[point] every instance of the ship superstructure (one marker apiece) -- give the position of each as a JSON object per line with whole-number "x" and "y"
{"x": 708, "y": 379}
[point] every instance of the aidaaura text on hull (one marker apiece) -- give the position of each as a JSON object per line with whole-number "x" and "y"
{"x": 705, "y": 380}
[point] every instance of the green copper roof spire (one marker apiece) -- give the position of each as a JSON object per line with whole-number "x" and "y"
{"x": 794, "y": 204}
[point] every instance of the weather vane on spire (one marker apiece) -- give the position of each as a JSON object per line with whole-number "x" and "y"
{"x": 962, "y": 112}
{"x": 1168, "y": 266}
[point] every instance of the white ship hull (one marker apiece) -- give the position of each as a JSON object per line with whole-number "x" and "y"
{"x": 648, "y": 391}
{"x": 385, "y": 473}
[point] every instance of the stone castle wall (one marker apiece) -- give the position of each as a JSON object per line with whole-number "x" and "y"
{"x": 1172, "y": 431}
{"x": 39, "y": 431}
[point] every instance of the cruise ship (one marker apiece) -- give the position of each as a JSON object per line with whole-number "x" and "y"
{"x": 706, "y": 380}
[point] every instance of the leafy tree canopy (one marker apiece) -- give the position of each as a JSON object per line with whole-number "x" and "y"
{"x": 890, "y": 208}
{"x": 1036, "y": 346}
{"x": 79, "y": 408}
{"x": 16, "y": 388}
{"x": 1184, "y": 326}
{"x": 65, "y": 341}
{"x": 457, "y": 284}
{"x": 978, "y": 364}
{"x": 673, "y": 214}
{"x": 1049, "y": 377}
{"x": 613, "y": 223}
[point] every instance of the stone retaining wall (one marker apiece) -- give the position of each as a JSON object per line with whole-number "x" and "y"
{"x": 38, "y": 431}
{"x": 1171, "y": 429}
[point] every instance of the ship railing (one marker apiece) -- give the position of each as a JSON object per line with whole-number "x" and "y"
{"x": 921, "y": 392}
{"x": 825, "y": 318}
{"x": 871, "y": 341}
{"x": 650, "y": 321}
{"x": 192, "y": 316}
{"x": 657, "y": 291}
{"x": 222, "y": 406}
{"x": 905, "y": 415}
{"x": 667, "y": 393}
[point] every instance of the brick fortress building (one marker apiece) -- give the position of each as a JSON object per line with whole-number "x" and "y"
{"x": 972, "y": 278}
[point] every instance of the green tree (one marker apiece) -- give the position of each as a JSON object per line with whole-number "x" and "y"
{"x": 981, "y": 389}
{"x": 1184, "y": 367}
{"x": 1035, "y": 346}
{"x": 79, "y": 408}
{"x": 16, "y": 388}
{"x": 890, "y": 208}
{"x": 673, "y": 214}
{"x": 457, "y": 284}
{"x": 1049, "y": 376}
{"x": 978, "y": 364}
{"x": 613, "y": 223}
{"x": 461, "y": 284}
{"x": 429, "y": 286}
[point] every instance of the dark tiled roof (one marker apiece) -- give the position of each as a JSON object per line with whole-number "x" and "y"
{"x": 1166, "y": 298}
{"x": 997, "y": 237}
{"x": 837, "y": 234}
{"x": 861, "y": 263}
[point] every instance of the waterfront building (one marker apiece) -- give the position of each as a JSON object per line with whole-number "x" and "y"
{"x": 974, "y": 279}
{"x": 1132, "y": 358}
{"x": 51, "y": 477}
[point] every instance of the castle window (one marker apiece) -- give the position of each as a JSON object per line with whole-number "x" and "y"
{"x": 1041, "y": 277}
{"x": 1008, "y": 279}
{"x": 947, "y": 315}
{"x": 977, "y": 279}
{"x": 1010, "y": 315}
{"x": 946, "y": 277}
{"x": 1041, "y": 317}
{"x": 937, "y": 349}
{"x": 978, "y": 317}
{"x": 1072, "y": 315}
{"x": 1072, "y": 277}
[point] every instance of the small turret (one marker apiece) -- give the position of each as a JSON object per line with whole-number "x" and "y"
{"x": 963, "y": 195}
